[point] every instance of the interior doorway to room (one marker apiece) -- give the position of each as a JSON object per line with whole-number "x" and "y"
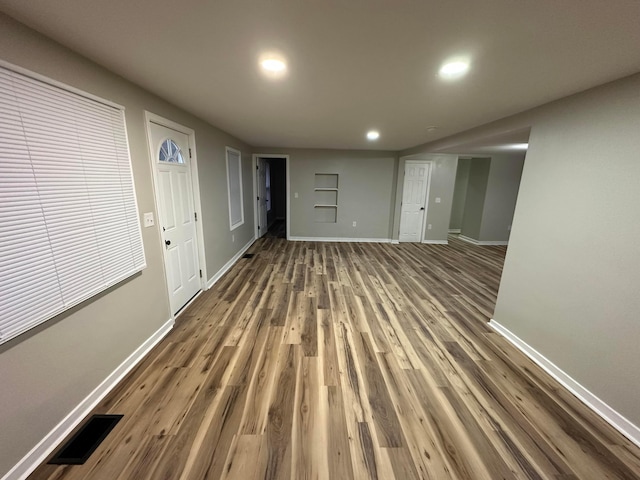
{"x": 171, "y": 148}
{"x": 272, "y": 199}
{"x": 413, "y": 212}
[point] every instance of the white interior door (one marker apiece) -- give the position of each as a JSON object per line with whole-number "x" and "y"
{"x": 414, "y": 201}
{"x": 176, "y": 213}
{"x": 262, "y": 196}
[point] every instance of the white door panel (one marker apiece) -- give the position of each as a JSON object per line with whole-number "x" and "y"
{"x": 414, "y": 201}
{"x": 176, "y": 214}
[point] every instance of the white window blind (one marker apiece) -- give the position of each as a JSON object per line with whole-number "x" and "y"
{"x": 68, "y": 216}
{"x": 234, "y": 188}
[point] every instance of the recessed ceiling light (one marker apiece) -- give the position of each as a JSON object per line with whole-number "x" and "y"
{"x": 373, "y": 135}
{"x": 454, "y": 69}
{"x": 273, "y": 65}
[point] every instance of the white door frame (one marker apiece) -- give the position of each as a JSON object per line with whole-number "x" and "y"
{"x": 195, "y": 191}
{"x": 254, "y": 164}
{"x": 413, "y": 159}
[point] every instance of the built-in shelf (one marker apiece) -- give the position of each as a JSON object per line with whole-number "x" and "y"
{"x": 326, "y": 198}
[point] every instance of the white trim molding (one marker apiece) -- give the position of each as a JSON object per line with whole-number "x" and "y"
{"x": 195, "y": 187}
{"x": 225, "y": 268}
{"x": 395, "y": 242}
{"x": 482, "y": 242}
{"x": 43, "y": 449}
{"x": 455, "y": 230}
{"x": 615, "y": 419}
{"x": 436, "y": 242}
{"x": 340, "y": 239}
{"x": 464, "y": 238}
{"x": 287, "y": 189}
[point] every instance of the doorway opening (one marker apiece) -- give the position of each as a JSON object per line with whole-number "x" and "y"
{"x": 271, "y": 187}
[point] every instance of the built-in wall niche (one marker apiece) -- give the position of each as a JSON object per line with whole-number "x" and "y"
{"x": 325, "y": 206}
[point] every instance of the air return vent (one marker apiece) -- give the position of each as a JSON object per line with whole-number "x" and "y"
{"x": 80, "y": 447}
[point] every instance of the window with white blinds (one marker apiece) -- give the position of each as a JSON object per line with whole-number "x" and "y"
{"x": 69, "y": 224}
{"x": 234, "y": 188}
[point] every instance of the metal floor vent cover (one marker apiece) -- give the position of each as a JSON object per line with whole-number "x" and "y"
{"x": 248, "y": 255}
{"x": 85, "y": 441}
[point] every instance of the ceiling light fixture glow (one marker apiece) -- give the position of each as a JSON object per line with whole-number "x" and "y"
{"x": 273, "y": 65}
{"x": 454, "y": 69}
{"x": 373, "y": 135}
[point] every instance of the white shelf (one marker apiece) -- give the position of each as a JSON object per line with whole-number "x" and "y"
{"x": 326, "y": 189}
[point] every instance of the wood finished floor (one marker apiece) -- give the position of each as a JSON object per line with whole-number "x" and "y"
{"x": 349, "y": 361}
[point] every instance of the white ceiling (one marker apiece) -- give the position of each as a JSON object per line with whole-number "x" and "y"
{"x": 352, "y": 64}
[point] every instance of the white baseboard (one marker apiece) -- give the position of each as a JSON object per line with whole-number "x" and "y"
{"x": 43, "y": 449}
{"x": 482, "y": 242}
{"x": 617, "y": 421}
{"x": 229, "y": 264}
{"x": 436, "y": 242}
{"x": 464, "y": 238}
{"x": 340, "y": 239}
{"x": 395, "y": 242}
{"x": 455, "y": 230}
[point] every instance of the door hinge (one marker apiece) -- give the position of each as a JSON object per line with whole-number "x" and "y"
{"x": 257, "y": 167}
{"x": 195, "y": 216}
{"x": 258, "y": 227}
{"x": 189, "y": 153}
{"x": 200, "y": 273}
{"x": 258, "y": 198}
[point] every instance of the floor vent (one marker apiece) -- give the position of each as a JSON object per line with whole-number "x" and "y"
{"x": 248, "y": 255}
{"x": 80, "y": 447}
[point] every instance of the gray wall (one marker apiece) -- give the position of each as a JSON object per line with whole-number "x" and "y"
{"x": 443, "y": 177}
{"x": 366, "y": 191}
{"x": 50, "y": 370}
{"x": 476, "y": 194}
{"x": 459, "y": 194}
{"x": 571, "y": 278}
{"x": 500, "y": 199}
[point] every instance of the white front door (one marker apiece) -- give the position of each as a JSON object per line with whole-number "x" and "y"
{"x": 262, "y": 196}
{"x": 170, "y": 153}
{"x": 414, "y": 201}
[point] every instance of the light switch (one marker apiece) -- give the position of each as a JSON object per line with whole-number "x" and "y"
{"x": 438, "y": 200}
{"x": 148, "y": 219}
{"x": 295, "y": 195}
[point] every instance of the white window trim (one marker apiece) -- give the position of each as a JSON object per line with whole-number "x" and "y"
{"x": 239, "y": 153}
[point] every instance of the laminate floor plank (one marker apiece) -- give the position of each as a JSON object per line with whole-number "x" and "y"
{"x": 349, "y": 361}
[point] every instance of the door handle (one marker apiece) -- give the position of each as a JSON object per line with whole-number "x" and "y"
{"x": 421, "y": 208}
{"x": 167, "y": 242}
